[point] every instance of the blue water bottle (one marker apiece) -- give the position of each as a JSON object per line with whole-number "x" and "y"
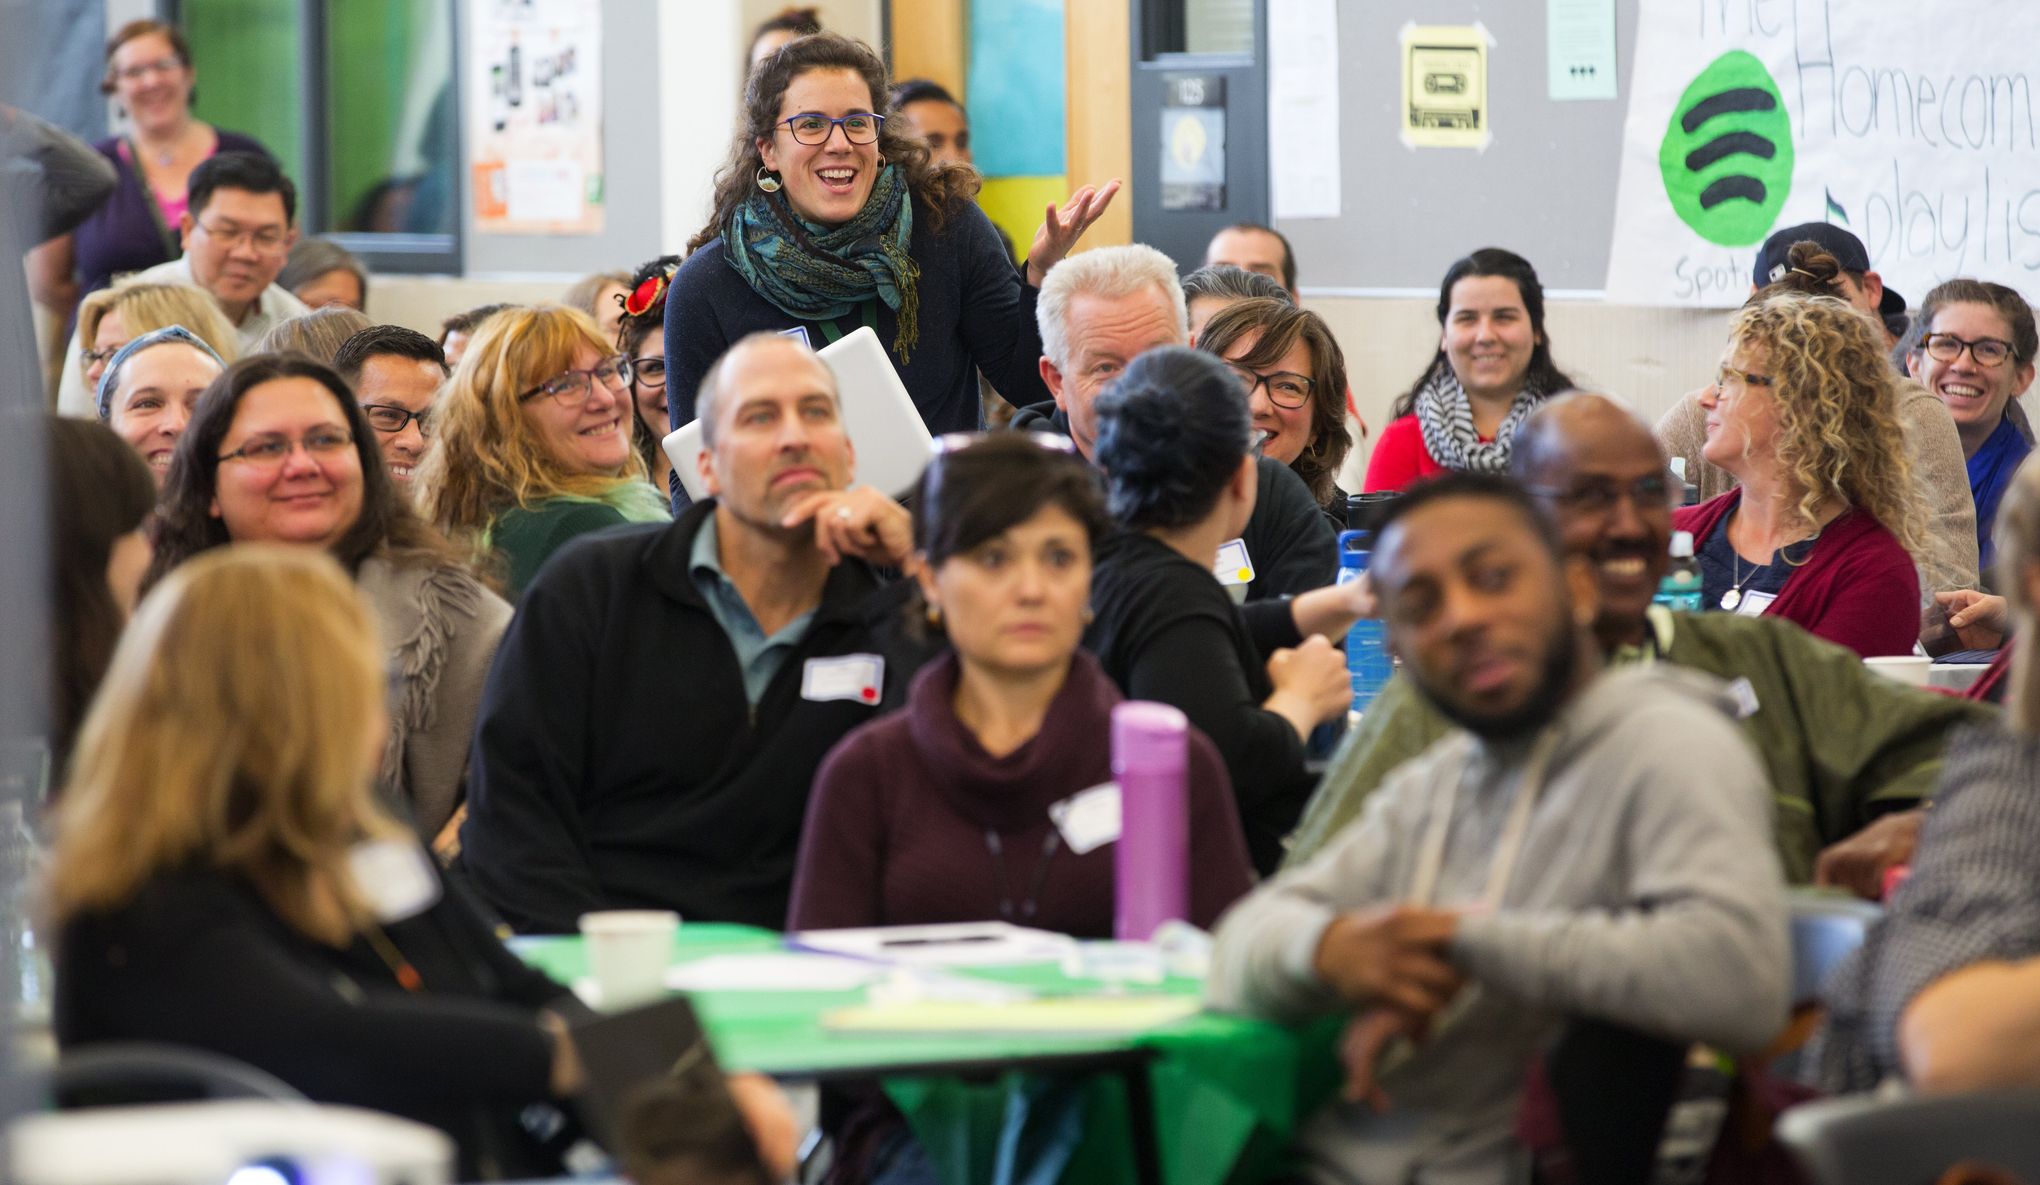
{"x": 1679, "y": 591}
{"x": 1368, "y": 665}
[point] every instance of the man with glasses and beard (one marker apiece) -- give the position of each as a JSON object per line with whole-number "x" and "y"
{"x": 1846, "y": 751}
{"x": 1585, "y": 844}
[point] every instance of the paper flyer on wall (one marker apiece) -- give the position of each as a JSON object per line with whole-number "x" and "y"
{"x": 534, "y": 116}
{"x": 1910, "y": 122}
{"x": 1445, "y": 86}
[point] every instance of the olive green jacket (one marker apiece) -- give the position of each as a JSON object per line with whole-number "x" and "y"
{"x": 1840, "y": 744}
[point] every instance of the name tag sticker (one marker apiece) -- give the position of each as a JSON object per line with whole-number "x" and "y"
{"x": 1754, "y": 604}
{"x": 858, "y": 677}
{"x": 1234, "y": 565}
{"x": 1088, "y": 819}
{"x": 396, "y": 876}
{"x": 1745, "y": 698}
{"x": 799, "y": 333}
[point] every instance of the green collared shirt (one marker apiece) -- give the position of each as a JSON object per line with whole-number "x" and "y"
{"x": 759, "y": 656}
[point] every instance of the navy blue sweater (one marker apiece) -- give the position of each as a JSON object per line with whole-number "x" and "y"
{"x": 977, "y": 313}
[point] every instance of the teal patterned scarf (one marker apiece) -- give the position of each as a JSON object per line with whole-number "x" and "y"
{"x": 819, "y": 273}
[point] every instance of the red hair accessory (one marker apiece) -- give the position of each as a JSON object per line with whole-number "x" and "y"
{"x": 647, "y": 295}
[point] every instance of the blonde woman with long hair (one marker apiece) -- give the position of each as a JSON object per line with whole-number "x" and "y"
{"x": 1945, "y": 991}
{"x": 224, "y": 878}
{"x": 1822, "y": 527}
{"x": 534, "y": 442}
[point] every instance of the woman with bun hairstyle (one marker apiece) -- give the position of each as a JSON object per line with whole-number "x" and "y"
{"x": 1176, "y": 442}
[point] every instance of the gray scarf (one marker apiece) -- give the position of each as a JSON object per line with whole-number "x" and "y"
{"x": 1446, "y": 416}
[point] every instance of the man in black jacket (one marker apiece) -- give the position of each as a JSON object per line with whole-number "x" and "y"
{"x": 659, "y": 705}
{"x": 1100, "y": 310}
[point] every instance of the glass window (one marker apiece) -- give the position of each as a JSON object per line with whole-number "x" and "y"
{"x": 1200, "y": 27}
{"x": 373, "y": 82}
{"x": 392, "y": 141}
{"x": 246, "y": 55}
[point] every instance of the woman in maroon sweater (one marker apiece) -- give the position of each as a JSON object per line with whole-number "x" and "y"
{"x": 942, "y": 812}
{"x": 1821, "y": 528}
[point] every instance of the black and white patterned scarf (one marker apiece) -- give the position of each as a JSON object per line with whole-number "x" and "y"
{"x": 1446, "y": 417}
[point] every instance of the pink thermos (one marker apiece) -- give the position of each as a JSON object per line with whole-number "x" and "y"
{"x": 1150, "y": 760}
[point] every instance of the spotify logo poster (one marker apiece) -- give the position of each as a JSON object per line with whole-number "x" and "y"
{"x": 1727, "y": 156}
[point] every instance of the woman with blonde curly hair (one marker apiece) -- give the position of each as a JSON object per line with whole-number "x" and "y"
{"x": 534, "y": 441}
{"x": 1821, "y": 527}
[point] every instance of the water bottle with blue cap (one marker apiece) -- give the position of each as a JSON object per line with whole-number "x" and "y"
{"x": 1368, "y": 664}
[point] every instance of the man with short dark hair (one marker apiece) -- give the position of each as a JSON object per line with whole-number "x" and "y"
{"x": 1253, "y": 247}
{"x": 928, "y": 108}
{"x": 236, "y": 233}
{"x": 396, "y": 374}
{"x": 665, "y": 694}
{"x": 1842, "y": 748}
{"x": 1582, "y": 845}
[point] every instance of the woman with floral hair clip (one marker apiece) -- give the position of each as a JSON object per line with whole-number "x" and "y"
{"x": 641, "y": 337}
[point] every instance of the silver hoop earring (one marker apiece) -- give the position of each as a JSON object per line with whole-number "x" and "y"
{"x": 766, "y": 181}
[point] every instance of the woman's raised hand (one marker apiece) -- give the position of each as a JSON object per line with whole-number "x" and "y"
{"x": 1064, "y": 225}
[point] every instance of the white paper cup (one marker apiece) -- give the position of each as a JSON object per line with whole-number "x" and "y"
{"x": 628, "y": 951}
{"x": 1913, "y": 670}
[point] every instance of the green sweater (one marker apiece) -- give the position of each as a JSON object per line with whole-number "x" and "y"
{"x": 1840, "y": 744}
{"x": 524, "y": 539}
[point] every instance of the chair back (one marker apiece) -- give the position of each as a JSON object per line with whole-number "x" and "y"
{"x": 1863, "y": 1140}
{"x": 117, "y": 1074}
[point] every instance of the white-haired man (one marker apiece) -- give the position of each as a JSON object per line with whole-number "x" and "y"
{"x": 1100, "y": 310}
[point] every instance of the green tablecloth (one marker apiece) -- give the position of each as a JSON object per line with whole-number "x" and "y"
{"x": 1227, "y": 1091}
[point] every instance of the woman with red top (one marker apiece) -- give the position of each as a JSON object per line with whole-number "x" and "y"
{"x": 1492, "y": 368}
{"x": 1819, "y": 532}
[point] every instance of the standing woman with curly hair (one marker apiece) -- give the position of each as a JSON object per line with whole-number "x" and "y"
{"x": 533, "y": 444}
{"x": 828, "y": 217}
{"x": 1821, "y": 529}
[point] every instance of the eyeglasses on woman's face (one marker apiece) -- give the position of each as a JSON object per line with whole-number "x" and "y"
{"x": 1987, "y": 351}
{"x": 812, "y": 127}
{"x": 271, "y": 449}
{"x": 649, "y": 371}
{"x": 1286, "y": 389}
{"x": 572, "y": 386}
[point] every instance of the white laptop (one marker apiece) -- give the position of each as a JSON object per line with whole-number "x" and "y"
{"x": 893, "y": 444}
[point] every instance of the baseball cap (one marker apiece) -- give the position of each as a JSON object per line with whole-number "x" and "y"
{"x": 1843, "y": 245}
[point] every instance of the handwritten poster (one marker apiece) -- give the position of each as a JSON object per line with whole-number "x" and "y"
{"x": 1444, "y": 86}
{"x": 1910, "y": 122}
{"x": 534, "y": 102}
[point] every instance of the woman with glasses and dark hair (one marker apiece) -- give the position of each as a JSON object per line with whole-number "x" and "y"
{"x": 1492, "y": 367}
{"x": 1976, "y": 357}
{"x": 278, "y": 451}
{"x": 1295, "y": 376}
{"x": 827, "y": 218}
{"x": 1821, "y": 528}
{"x": 534, "y": 442}
{"x": 1175, "y": 440}
{"x": 641, "y": 336}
